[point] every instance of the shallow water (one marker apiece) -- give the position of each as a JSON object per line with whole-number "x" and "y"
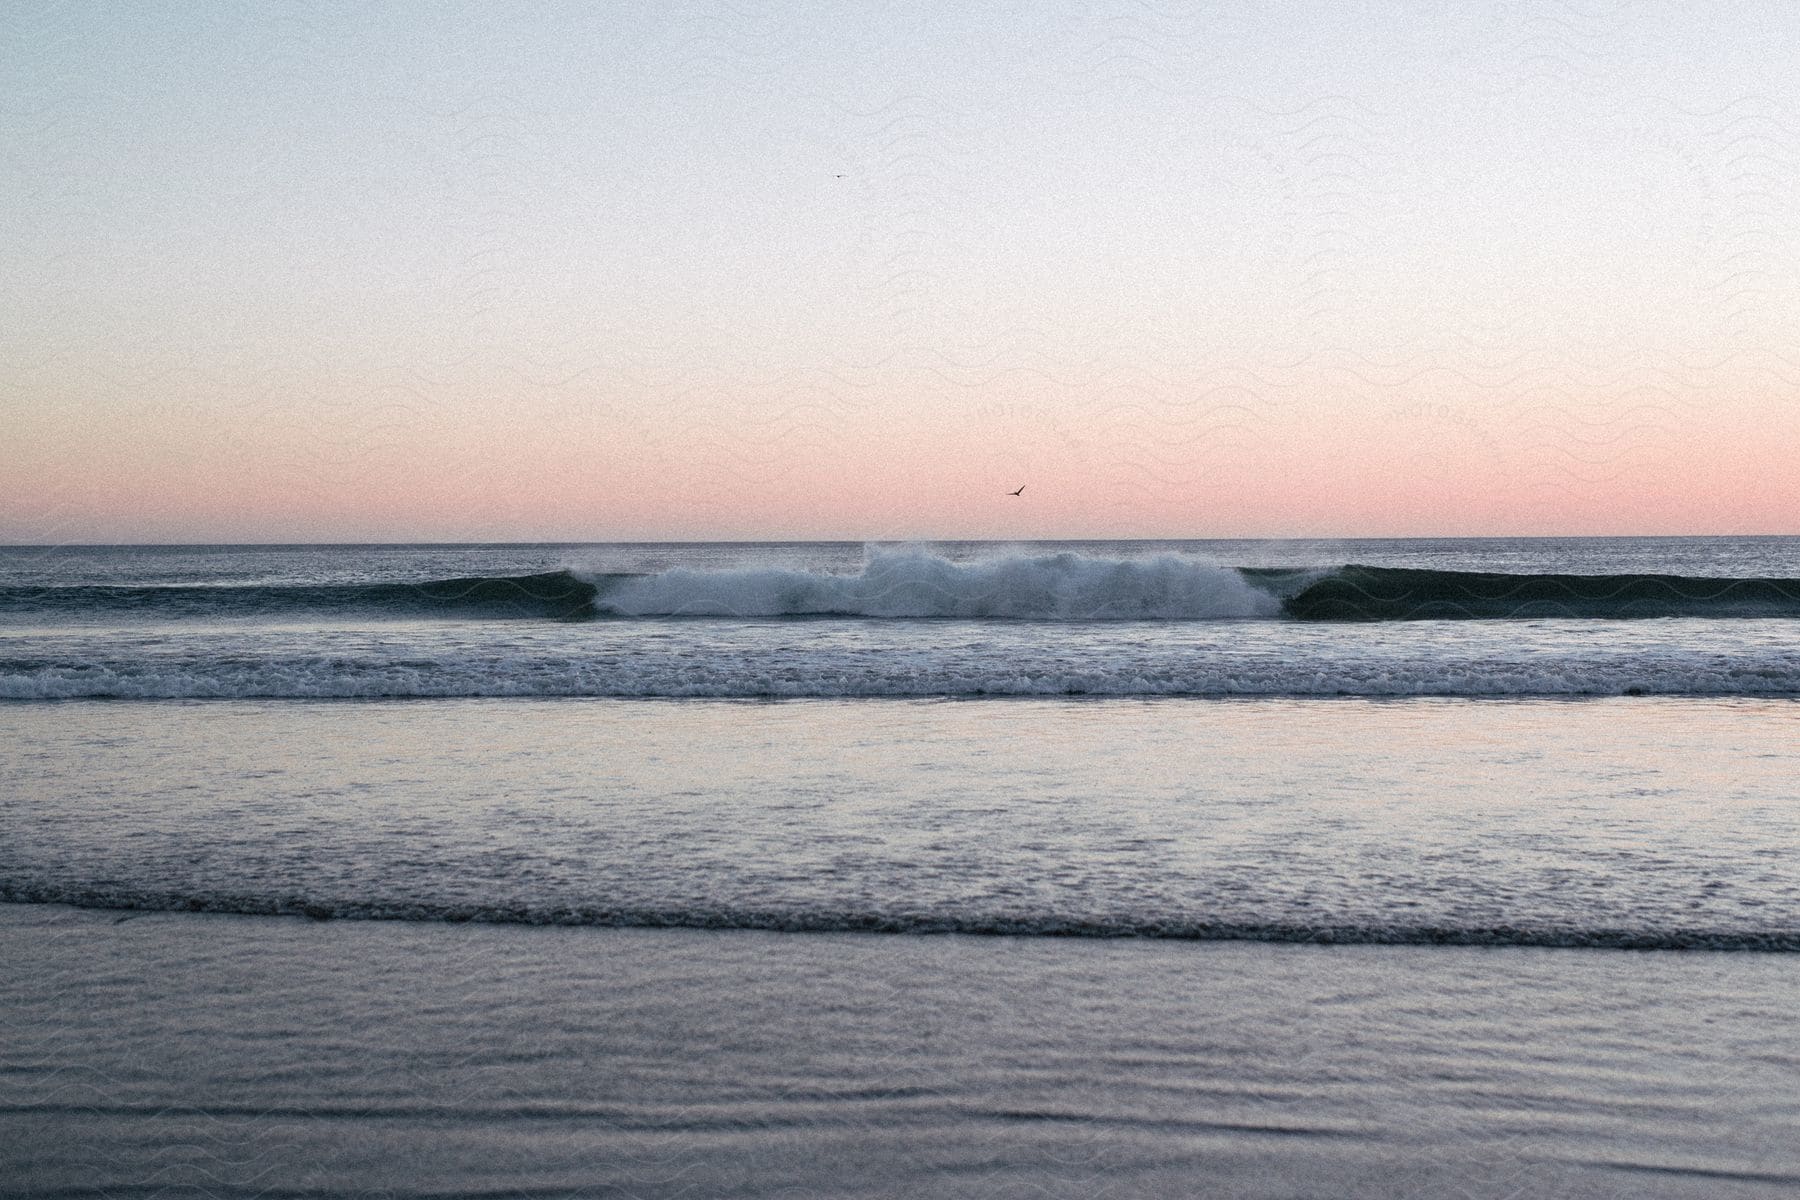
{"x": 177, "y": 1055}
{"x": 1630, "y": 822}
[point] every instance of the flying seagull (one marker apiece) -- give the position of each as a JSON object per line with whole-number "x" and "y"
{"x": 1021, "y": 488}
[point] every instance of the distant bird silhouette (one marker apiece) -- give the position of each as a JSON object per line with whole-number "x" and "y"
{"x": 1021, "y": 488}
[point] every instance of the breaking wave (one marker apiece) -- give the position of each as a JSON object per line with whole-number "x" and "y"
{"x": 917, "y": 583}
{"x": 907, "y": 583}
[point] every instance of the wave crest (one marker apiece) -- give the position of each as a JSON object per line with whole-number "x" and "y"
{"x": 1362, "y": 593}
{"x": 912, "y": 582}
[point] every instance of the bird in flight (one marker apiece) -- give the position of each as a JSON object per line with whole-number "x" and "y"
{"x": 1021, "y": 488}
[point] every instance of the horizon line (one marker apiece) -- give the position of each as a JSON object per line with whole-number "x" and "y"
{"x": 940, "y": 541}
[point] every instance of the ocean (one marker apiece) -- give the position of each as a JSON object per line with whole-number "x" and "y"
{"x": 1399, "y": 867}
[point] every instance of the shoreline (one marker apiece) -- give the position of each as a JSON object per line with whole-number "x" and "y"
{"x": 1675, "y": 941}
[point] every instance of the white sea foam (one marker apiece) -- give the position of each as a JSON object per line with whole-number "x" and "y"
{"x": 913, "y": 582}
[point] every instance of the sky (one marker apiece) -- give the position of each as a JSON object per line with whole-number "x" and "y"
{"x": 351, "y": 272}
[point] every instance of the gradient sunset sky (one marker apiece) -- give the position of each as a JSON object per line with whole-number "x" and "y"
{"x": 349, "y": 272}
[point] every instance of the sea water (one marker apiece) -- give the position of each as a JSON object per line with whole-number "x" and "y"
{"x": 929, "y": 869}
